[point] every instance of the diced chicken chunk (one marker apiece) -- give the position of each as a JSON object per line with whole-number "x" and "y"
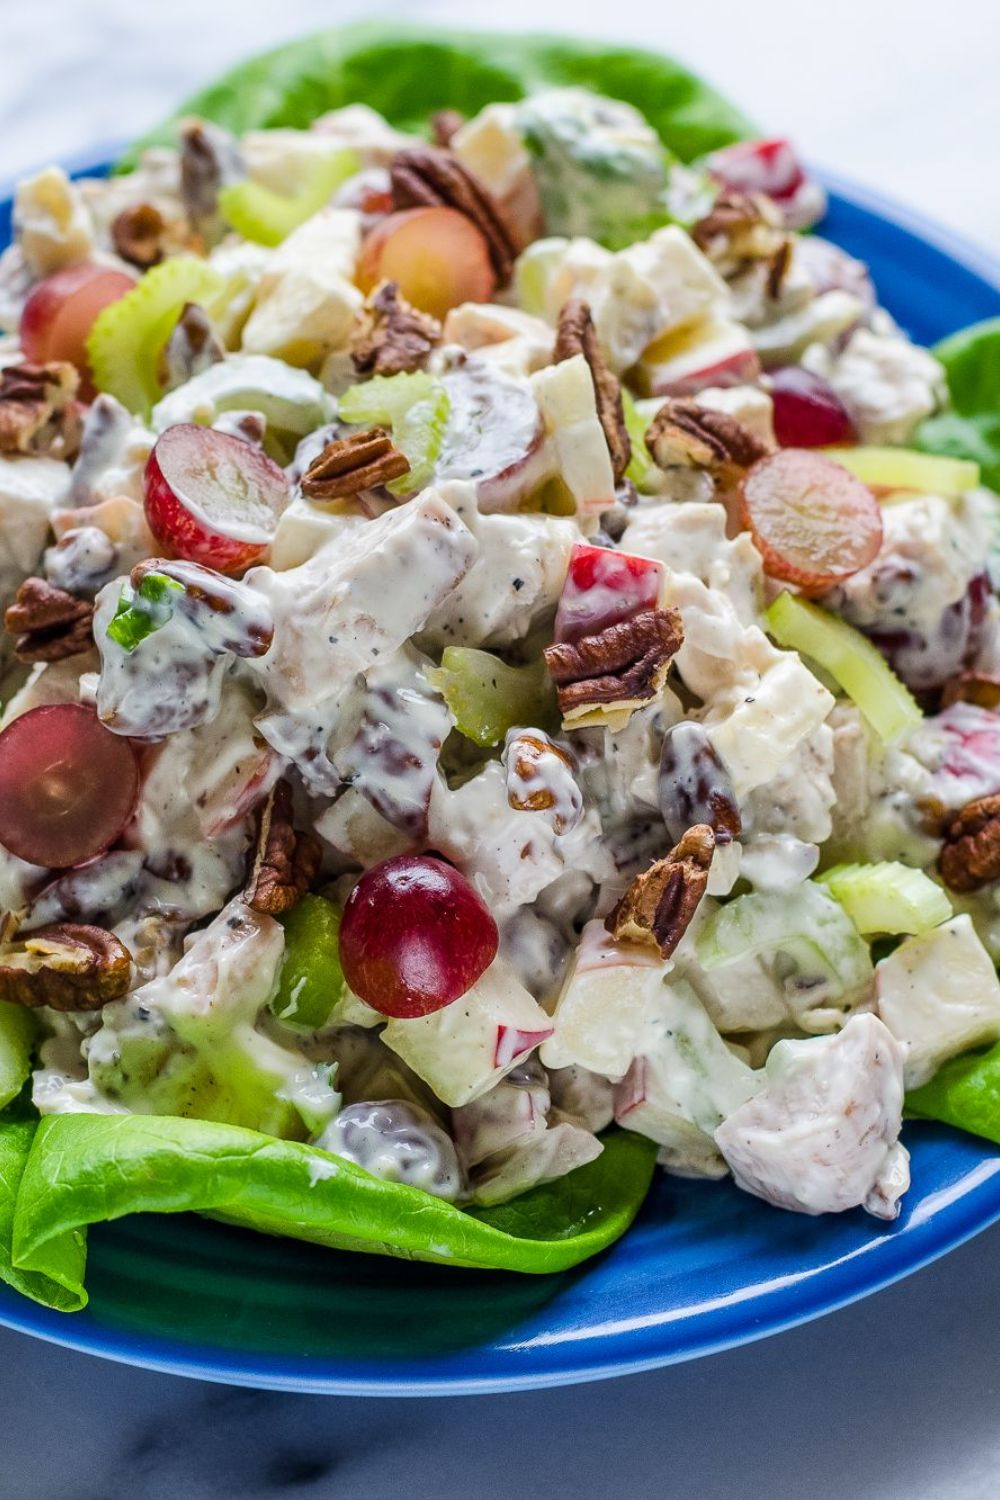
{"x": 823, "y": 1134}
{"x": 887, "y": 384}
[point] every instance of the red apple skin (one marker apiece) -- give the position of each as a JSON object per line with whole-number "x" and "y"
{"x": 603, "y": 587}
{"x": 513, "y": 1043}
{"x": 180, "y": 534}
{"x": 60, "y": 312}
{"x": 742, "y": 368}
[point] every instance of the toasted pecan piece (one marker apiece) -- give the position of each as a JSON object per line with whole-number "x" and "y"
{"x": 685, "y": 435}
{"x": 657, "y": 908}
{"x": 39, "y": 412}
{"x": 285, "y": 861}
{"x": 67, "y": 966}
{"x": 391, "y": 337}
{"x": 49, "y": 624}
{"x": 431, "y": 177}
{"x": 740, "y": 226}
{"x": 604, "y": 678}
{"x": 981, "y": 688}
{"x": 445, "y": 125}
{"x": 575, "y": 334}
{"x": 137, "y": 234}
{"x": 970, "y": 857}
{"x": 350, "y": 464}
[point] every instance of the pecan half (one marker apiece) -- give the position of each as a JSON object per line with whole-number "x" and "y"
{"x": 137, "y": 234}
{"x": 391, "y": 337}
{"x": 429, "y": 176}
{"x": 350, "y": 464}
{"x": 48, "y": 623}
{"x": 67, "y": 966}
{"x": 685, "y": 435}
{"x": 604, "y": 678}
{"x": 657, "y": 908}
{"x": 285, "y": 861}
{"x": 575, "y": 334}
{"x": 981, "y": 688}
{"x": 39, "y": 412}
{"x": 970, "y": 857}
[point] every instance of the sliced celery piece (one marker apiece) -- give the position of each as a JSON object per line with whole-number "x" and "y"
{"x": 906, "y": 469}
{"x": 807, "y": 924}
{"x": 887, "y": 897}
{"x": 128, "y": 336}
{"x": 266, "y": 217}
{"x": 850, "y": 659}
{"x": 416, "y": 406}
{"x": 641, "y": 467}
{"x": 488, "y": 697}
{"x": 311, "y": 981}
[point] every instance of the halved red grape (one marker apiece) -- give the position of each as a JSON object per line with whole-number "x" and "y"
{"x": 212, "y": 498}
{"x": 812, "y": 521}
{"x": 769, "y": 166}
{"x": 68, "y": 786}
{"x": 415, "y": 936}
{"x": 808, "y": 413}
{"x": 60, "y": 311}
{"x": 437, "y": 257}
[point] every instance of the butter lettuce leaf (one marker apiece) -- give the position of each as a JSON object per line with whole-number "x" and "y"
{"x": 965, "y": 1092}
{"x": 407, "y": 72}
{"x": 18, "y": 1124}
{"x": 970, "y": 427}
{"x": 87, "y": 1169}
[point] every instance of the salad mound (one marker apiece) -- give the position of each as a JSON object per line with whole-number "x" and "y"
{"x": 501, "y": 677}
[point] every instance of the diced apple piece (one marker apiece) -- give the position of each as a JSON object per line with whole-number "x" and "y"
{"x": 542, "y": 1158}
{"x": 713, "y": 352}
{"x": 514, "y": 340}
{"x": 492, "y": 147}
{"x": 683, "y": 1083}
{"x": 939, "y": 995}
{"x": 506, "y": 1116}
{"x": 906, "y": 469}
{"x": 603, "y": 587}
{"x": 464, "y": 1049}
{"x": 306, "y": 301}
{"x": 565, "y": 394}
{"x": 605, "y": 1005}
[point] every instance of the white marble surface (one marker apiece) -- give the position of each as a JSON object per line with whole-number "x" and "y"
{"x": 897, "y": 1398}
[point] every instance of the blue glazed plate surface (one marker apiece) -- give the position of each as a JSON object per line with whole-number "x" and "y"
{"x": 704, "y": 1267}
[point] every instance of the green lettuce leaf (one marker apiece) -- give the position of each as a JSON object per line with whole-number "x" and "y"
{"x": 970, "y": 428}
{"x": 17, "y": 1035}
{"x": 89, "y": 1169}
{"x": 965, "y": 1092}
{"x": 18, "y": 1124}
{"x": 407, "y": 72}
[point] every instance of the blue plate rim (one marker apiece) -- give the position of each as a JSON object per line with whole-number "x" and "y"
{"x": 971, "y": 1204}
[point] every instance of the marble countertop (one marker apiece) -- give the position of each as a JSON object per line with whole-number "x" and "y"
{"x": 896, "y": 1398}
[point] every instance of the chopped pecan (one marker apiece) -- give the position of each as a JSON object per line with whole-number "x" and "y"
{"x": 39, "y": 412}
{"x": 575, "y": 335}
{"x": 740, "y": 226}
{"x": 67, "y": 966}
{"x": 49, "y": 624}
{"x": 970, "y": 857}
{"x": 210, "y": 159}
{"x": 391, "y": 337}
{"x": 778, "y": 269}
{"x": 604, "y": 678}
{"x": 657, "y": 908}
{"x": 285, "y": 861}
{"x": 981, "y": 688}
{"x": 137, "y": 234}
{"x": 685, "y": 435}
{"x": 445, "y": 125}
{"x": 350, "y": 464}
{"x": 429, "y": 176}
{"x": 541, "y": 778}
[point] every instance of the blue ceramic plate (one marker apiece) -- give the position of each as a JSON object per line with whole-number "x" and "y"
{"x": 703, "y": 1268}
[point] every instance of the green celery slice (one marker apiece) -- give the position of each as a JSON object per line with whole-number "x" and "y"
{"x": 311, "y": 981}
{"x": 641, "y": 468}
{"x": 906, "y": 469}
{"x": 888, "y": 897}
{"x": 128, "y": 336}
{"x": 260, "y": 214}
{"x": 488, "y": 697}
{"x": 417, "y": 407}
{"x": 851, "y": 660}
